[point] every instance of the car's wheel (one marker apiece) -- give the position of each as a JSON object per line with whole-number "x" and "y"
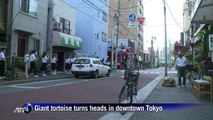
{"x": 96, "y": 74}
{"x": 108, "y": 73}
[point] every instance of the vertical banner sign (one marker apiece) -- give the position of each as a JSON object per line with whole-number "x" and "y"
{"x": 211, "y": 42}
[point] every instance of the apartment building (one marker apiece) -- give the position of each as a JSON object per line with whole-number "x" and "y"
{"x": 92, "y": 26}
{"x": 64, "y": 41}
{"x": 27, "y": 26}
{"x": 132, "y": 31}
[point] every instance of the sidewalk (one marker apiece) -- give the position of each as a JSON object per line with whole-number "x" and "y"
{"x": 59, "y": 75}
{"x": 167, "y": 95}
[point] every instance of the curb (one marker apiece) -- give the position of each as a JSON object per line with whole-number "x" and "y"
{"x": 10, "y": 82}
{"x": 32, "y": 79}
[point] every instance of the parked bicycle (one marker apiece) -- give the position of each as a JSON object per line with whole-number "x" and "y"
{"x": 194, "y": 72}
{"x": 130, "y": 88}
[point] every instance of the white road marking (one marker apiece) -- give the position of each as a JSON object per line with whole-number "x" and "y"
{"x": 172, "y": 72}
{"x": 62, "y": 84}
{"x": 31, "y": 83}
{"x": 46, "y": 86}
{"x": 23, "y": 87}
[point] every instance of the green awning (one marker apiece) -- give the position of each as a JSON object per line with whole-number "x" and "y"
{"x": 65, "y": 40}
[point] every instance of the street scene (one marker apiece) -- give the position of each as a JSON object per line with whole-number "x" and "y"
{"x": 106, "y": 60}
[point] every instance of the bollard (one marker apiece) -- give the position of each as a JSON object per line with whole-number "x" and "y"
{"x": 26, "y": 59}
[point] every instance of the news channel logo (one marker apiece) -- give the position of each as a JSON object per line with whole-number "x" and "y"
{"x": 27, "y": 108}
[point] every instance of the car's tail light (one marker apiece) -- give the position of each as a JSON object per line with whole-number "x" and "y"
{"x": 90, "y": 65}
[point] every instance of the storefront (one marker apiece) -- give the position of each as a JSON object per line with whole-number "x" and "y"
{"x": 64, "y": 45}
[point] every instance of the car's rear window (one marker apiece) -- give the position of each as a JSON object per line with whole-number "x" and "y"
{"x": 82, "y": 61}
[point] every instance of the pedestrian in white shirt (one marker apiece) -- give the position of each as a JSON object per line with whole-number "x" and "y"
{"x": 54, "y": 65}
{"x": 181, "y": 66}
{"x": 44, "y": 60}
{"x": 2, "y": 63}
{"x": 33, "y": 63}
{"x": 72, "y": 60}
{"x": 67, "y": 64}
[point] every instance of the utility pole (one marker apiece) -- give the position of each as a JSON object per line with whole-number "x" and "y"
{"x": 152, "y": 52}
{"x": 164, "y": 6}
{"x": 117, "y": 15}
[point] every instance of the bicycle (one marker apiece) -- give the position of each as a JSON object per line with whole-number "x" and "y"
{"x": 130, "y": 88}
{"x": 194, "y": 73}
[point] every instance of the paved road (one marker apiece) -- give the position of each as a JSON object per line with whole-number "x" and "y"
{"x": 83, "y": 90}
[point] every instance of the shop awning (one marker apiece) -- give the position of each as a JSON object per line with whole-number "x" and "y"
{"x": 65, "y": 40}
{"x": 202, "y": 11}
{"x": 199, "y": 29}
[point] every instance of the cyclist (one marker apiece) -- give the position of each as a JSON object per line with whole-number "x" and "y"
{"x": 128, "y": 60}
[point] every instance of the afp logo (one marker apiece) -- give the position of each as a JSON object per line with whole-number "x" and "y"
{"x": 27, "y": 108}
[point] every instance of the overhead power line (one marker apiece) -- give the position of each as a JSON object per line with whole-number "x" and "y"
{"x": 99, "y": 9}
{"x": 173, "y": 17}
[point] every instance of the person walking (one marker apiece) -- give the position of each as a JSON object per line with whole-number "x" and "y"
{"x": 181, "y": 62}
{"x": 53, "y": 65}
{"x": 68, "y": 64}
{"x": 72, "y": 60}
{"x": 33, "y": 63}
{"x": 2, "y": 63}
{"x": 44, "y": 60}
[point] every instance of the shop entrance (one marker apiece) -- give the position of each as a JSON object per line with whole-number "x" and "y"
{"x": 60, "y": 61}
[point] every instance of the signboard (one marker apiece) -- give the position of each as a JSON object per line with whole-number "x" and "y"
{"x": 141, "y": 20}
{"x": 132, "y": 20}
{"x": 132, "y": 17}
{"x": 211, "y": 42}
{"x": 70, "y": 41}
{"x": 132, "y": 24}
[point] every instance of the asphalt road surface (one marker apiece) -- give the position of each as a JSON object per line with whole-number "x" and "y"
{"x": 82, "y": 90}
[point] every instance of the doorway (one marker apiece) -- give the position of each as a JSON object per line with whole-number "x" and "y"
{"x": 60, "y": 61}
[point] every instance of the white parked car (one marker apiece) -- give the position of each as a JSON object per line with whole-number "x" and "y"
{"x": 86, "y": 66}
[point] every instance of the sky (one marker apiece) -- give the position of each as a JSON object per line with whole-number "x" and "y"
{"x": 154, "y": 22}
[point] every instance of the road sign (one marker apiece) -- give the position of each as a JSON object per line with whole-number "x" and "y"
{"x": 132, "y": 17}
{"x": 141, "y": 20}
{"x": 132, "y": 24}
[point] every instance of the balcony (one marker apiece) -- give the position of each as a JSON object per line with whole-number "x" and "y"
{"x": 201, "y": 11}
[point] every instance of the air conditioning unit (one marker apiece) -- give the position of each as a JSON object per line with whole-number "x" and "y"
{"x": 57, "y": 25}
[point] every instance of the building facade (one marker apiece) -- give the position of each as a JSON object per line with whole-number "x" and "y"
{"x": 92, "y": 26}
{"x": 3, "y": 23}
{"x": 64, "y": 41}
{"x": 198, "y": 20}
{"x": 27, "y": 27}
{"x": 128, "y": 30}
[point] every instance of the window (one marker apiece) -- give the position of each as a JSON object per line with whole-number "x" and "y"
{"x": 104, "y": 16}
{"x": 82, "y": 61}
{"x": 97, "y": 36}
{"x": 105, "y": 1}
{"x": 29, "y": 6}
{"x": 96, "y": 62}
{"x": 65, "y": 25}
{"x": 104, "y": 36}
